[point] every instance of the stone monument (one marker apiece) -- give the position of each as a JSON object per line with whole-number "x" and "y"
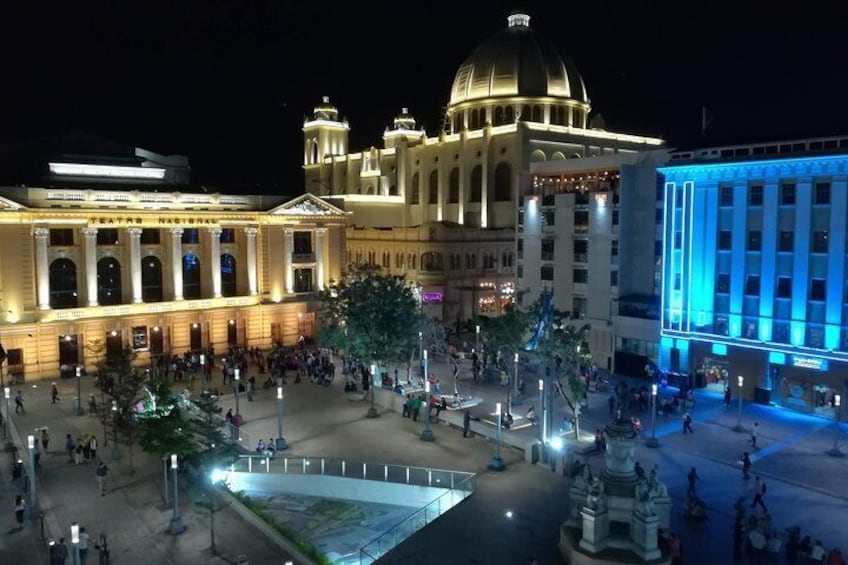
{"x": 617, "y": 509}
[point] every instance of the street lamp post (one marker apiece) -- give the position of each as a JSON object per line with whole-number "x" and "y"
{"x": 544, "y": 427}
{"x": 740, "y": 381}
{"x": 477, "y": 330}
{"x": 420, "y": 352}
{"x": 176, "y": 526}
{"x": 652, "y": 441}
{"x": 281, "y": 441}
{"x": 497, "y": 463}
{"x": 836, "y": 452}
{"x": 116, "y": 453}
{"x": 236, "y": 379}
{"x": 33, "y": 498}
{"x": 75, "y": 530}
{"x": 514, "y": 388}
{"x": 372, "y": 410}
{"x": 426, "y": 433}
{"x": 79, "y": 409}
{"x": 7, "y": 393}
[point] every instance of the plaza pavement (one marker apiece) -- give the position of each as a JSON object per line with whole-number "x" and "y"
{"x": 806, "y": 486}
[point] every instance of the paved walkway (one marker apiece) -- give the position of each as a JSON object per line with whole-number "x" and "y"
{"x": 806, "y": 487}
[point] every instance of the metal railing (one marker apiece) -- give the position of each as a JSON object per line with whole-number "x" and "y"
{"x": 460, "y": 486}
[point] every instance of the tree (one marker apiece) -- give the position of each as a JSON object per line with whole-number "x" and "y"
{"x": 434, "y": 335}
{"x": 506, "y": 334}
{"x": 207, "y": 427}
{"x": 373, "y": 317}
{"x": 126, "y": 390}
{"x": 566, "y": 341}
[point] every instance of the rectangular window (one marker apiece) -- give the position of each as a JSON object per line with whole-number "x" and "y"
{"x": 784, "y": 287}
{"x": 658, "y": 248}
{"x": 613, "y": 278}
{"x": 107, "y": 236}
{"x": 548, "y": 218}
{"x": 615, "y": 217}
{"x": 614, "y": 248}
{"x": 581, "y": 250}
{"x": 61, "y": 236}
{"x": 547, "y": 250}
{"x": 786, "y": 243}
{"x": 581, "y": 220}
{"x": 723, "y": 283}
{"x": 303, "y": 280}
{"x": 658, "y": 216}
{"x": 755, "y": 240}
{"x": 815, "y": 337}
{"x": 150, "y": 236}
{"x": 677, "y": 281}
{"x": 755, "y": 195}
{"x": 752, "y": 285}
{"x": 228, "y": 235}
{"x": 721, "y": 325}
{"x": 726, "y": 196}
{"x": 820, "y": 242}
{"x": 822, "y": 195}
{"x": 578, "y": 307}
{"x": 780, "y": 332}
{"x": 547, "y": 272}
{"x": 725, "y": 240}
{"x": 190, "y": 235}
{"x": 302, "y": 242}
{"x": 580, "y": 276}
{"x": 818, "y": 290}
{"x": 787, "y": 194}
{"x": 678, "y": 240}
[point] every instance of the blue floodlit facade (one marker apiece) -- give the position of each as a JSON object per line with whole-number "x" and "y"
{"x": 754, "y": 271}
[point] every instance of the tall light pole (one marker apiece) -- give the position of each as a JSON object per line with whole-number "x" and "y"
{"x": 176, "y": 526}
{"x": 421, "y": 352}
{"x": 514, "y": 387}
{"x": 75, "y": 529}
{"x": 836, "y": 452}
{"x": 281, "y": 441}
{"x": 33, "y": 496}
{"x": 79, "y": 409}
{"x": 740, "y": 380}
{"x": 7, "y": 393}
{"x": 116, "y": 453}
{"x": 236, "y": 379}
{"x": 372, "y": 410}
{"x": 497, "y": 463}
{"x": 543, "y": 430}
{"x": 477, "y": 331}
{"x": 652, "y": 441}
{"x": 426, "y": 433}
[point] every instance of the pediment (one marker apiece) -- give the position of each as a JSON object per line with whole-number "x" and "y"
{"x": 8, "y": 205}
{"x": 307, "y": 205}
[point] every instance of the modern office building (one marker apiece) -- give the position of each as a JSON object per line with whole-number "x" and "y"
{"x": 754, "y": 278}
{"x": 442, "y": 209}
{"x": 107, "y": 248}
{"x": 588, "y": 231}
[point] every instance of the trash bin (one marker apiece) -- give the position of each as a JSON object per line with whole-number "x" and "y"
{"x": 762, "y": 395}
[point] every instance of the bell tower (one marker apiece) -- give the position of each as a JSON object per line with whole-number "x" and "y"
{"x": 324, "y": 134}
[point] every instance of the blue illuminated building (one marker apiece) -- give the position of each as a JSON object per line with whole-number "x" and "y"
{"x": 754, "y": 274}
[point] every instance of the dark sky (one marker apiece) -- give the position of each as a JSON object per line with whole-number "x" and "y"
{"x": 227, "y": 82}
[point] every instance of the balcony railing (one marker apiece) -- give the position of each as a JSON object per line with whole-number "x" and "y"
{"x": 303, "y": 257}
{"x": 144, "y": 308}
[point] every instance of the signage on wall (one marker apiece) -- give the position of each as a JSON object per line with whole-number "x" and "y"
{"x": 136, "y": 221}
{"x": 139, "y": 337}
{"x": 814, "y": 363}
{"x": 429, "y": 297}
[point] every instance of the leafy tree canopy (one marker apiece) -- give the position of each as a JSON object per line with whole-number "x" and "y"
{"x": 506, "y": 333}
{"x": 163, "y": 429}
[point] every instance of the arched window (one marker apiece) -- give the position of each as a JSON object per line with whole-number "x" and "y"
{"x": 557, "y": 156}
{"x": 432, "y": 261}
{"x": 476, "y": 184}
{"x": 525, "y": 113}
{"x": 537, "y": 113}
{"x": 412, "y": 261}
{"x": 191, "y": 276}
{"x": 475, "y": 118}
{"x": 499, "y": 116}
{"x": 108, "y": 281}
{"x": 503, "y": 190}
{"x": 537, "y": 155}
{"x": 415, "y": 196}
{"x": 509, "y": 115}
{"x": 228, "y": 275}
{"x": 151, "y": 279}
{"x": 453, "y": 186}
{"x": 63, "y": 284}
{"x": 433, "y": 190}
{"x": 578, "y": 119}
{"x": 314, "y": 151}
{"x": 370, "y": 190}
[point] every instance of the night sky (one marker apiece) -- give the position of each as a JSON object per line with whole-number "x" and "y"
{"x": 228, "y": 82}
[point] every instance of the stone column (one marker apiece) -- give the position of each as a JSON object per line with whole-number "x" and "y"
{"x": 319, "y": 256}
{"x": 91, "y": 264}
{"x": 251, "y": 261}
{"x": 288, "y": 269}
{"x": 215, "y": 234}
{"x": 42, "y": 267}
{"x": 135, "y": 263}
{"x": 177, "y": 261}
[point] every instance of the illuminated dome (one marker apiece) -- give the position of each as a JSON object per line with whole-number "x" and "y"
{"x": 404, "y": 120}
{"x": 517, "y": 62}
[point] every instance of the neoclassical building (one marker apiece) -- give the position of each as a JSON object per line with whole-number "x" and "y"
{"x": 154, "y": 268}
{"x": 442, "y": 209}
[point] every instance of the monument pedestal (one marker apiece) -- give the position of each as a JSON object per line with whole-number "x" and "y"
{"x": 643, "y": 532}
{"x": 595, "y": 529}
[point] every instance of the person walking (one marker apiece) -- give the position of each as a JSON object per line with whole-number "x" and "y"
{"x": 82, "y": 546}
{"x": 692, "y": 476}
{"x": 70, "y": 448}
{"x": 20, "y": 505}
{"x": 687, "y": 424}
{"x": 54, "y": 394}
{"x": 45, "y": 439}
{"x": 746, "y": 466}
{"x": 466, "y": 423}
{"x": 754, "y": 431}
{"x": 92, "y": 446}
{"x": 102, "y": 473}
{"x": 727, "y": 396}
{"x": 59, "y": 553}
{"x": 759, "y": 493}
{"x": 19, "y": 403}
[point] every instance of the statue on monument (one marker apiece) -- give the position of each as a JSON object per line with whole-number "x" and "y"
{"x": 622, "y": 400}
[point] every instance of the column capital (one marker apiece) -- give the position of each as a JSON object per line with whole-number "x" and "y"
{"x": 134, "y": 232}
{"x": 176, "y": 232}
{"x": 41, "y": 233}
{"x": 89, "y": 232}
{"x": 215, "y": 231}
{"x": 289, "y": 232}
{"x": 251, "y": 232}
{"x": 320, "y": 231}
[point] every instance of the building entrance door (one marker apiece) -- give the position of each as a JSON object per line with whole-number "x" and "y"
{"x": 68, "y": 350}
